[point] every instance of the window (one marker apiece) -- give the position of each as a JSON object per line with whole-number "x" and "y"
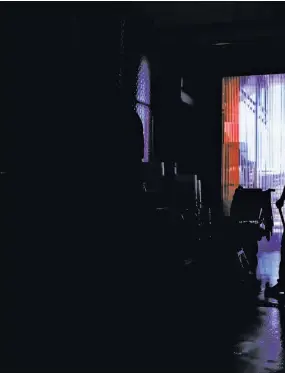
{"x": 143, "y": 103}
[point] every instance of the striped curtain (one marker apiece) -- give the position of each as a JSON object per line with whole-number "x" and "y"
{"x": 254, "y": 138}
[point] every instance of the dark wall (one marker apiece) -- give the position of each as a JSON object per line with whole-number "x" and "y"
{"x": 166, "y": 100}
{"x": 190, "y": 136}
{"x": 59, "y": 72}
{"x": 251, "y": 58}
{"x": 203, "y": 130}
{"x": 138, "y": 42}
{"x": 62, "y": 149}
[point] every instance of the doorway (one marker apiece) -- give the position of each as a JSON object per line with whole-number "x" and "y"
{"x": 253, "y": 154}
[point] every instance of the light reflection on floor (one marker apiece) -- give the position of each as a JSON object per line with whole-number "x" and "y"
{"x": 260, "y": 350}
{"x": 261, "y": 347}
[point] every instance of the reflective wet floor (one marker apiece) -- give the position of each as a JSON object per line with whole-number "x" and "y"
{"x": 211, "y": 332}
{"x": 260, "y": 347}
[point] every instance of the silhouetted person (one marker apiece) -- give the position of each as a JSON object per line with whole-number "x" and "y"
{"x": 280, "y": 286}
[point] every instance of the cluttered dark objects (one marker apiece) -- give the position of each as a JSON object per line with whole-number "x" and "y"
{"x": 176, "y": 207}
{"x": 185, "y": 235}
{"x": 253, "y": 206}
{"x": 251, "y": 219}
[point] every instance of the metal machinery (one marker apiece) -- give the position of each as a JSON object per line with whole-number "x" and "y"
{"x": 251, "y": 218}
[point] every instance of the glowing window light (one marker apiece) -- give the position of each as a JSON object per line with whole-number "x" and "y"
{"x": 253, "y": 109}
{"x": 143, "y": 103}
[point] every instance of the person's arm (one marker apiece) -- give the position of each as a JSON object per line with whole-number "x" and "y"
{"x": 283, "y": 195}
{"x": 281, "y": 200}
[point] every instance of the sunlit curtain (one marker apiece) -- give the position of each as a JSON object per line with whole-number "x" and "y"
{"x": 143, "y": 104}
{"x": 254, "y": 137}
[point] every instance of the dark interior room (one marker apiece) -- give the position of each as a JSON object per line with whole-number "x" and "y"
{"x": 142, "y": 173}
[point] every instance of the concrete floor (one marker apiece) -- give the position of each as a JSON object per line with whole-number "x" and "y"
{"x": 208, "y": 327}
